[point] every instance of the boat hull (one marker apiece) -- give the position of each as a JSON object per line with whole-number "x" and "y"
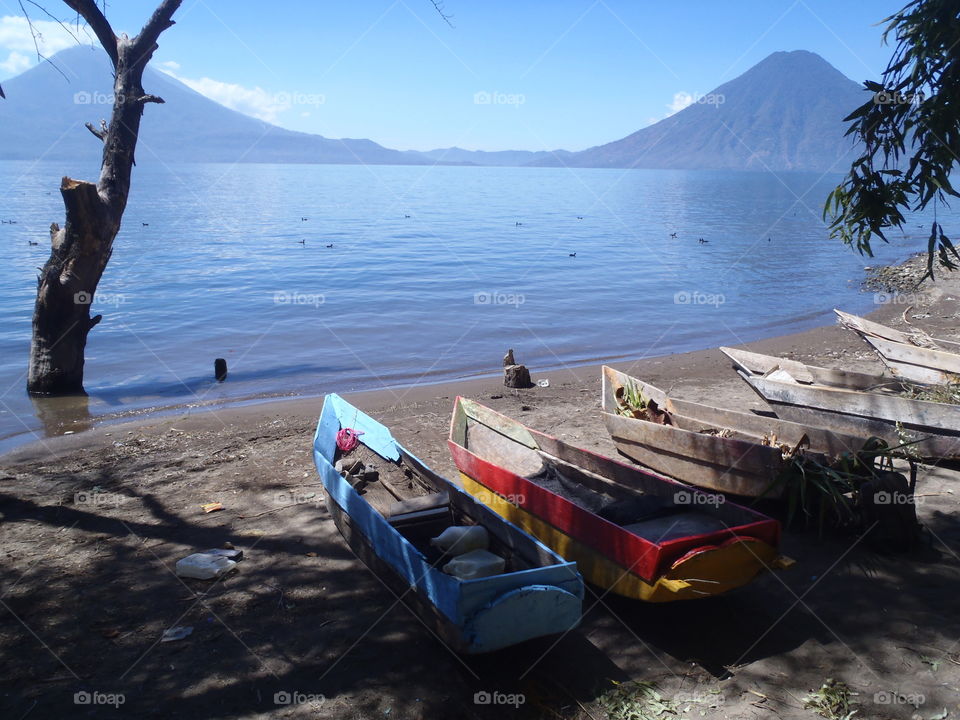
{"x": 741, "y": 461}
{"x": 930, "y": 430}
{"x": 902, "y": 352}
{"x": 669, "y": 567}
{"x": 726, "y": 567}
{"x": 916, "y": 364}
{"x": 469, "y": 616}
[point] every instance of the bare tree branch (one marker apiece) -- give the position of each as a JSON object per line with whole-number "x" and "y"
{"x": 57, "y": 20}
{"x": 95, "y": 19}
{"x": 101, "y": 132}
{"x": 34, "y": 34}
{"x": 438, "y": 5}
{"x": 146, "y": 41}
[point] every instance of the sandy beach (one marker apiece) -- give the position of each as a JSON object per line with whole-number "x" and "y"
{"x": 303, "y": 615}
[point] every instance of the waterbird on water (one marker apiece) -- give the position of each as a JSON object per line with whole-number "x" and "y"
{"x": 303, "y": 242}
{"x": 31, "y": 242}
{"x": 673, "y": 235}
{"x": 702, "y": 241}
{"x": 145, "y": 224}
{"x": 303, "y": 219}
{"x": 573, "y": 254}
{"x": 518, "y": 224}
{"x": 579, "y": 217}
{"x": 330, "y": 245}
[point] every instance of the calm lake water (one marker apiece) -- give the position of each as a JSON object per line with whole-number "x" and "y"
{"x": 432, "y": 274}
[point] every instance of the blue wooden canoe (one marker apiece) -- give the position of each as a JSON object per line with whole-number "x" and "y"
{"x": 538, "y": 594}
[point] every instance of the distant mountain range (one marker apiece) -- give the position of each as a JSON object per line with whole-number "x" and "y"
{"x": 500, "y": 158}
{"x": 44, "y": 116}
{"x": 785, "y": 113}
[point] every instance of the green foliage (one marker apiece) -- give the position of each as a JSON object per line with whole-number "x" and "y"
{"x": 910, "y": 134}
{"x": 947, "y": 393}
{"x": 637, "y": 701}
{"x": 631, "y": 400}
{"x": 832, "y": 700}
{"x": 828, "y": 491}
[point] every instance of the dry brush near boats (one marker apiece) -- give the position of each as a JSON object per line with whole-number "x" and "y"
{"x": 474, "y": 579}
{"x": 631, "y": 531}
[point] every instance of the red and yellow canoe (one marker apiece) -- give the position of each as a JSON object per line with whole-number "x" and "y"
{"x": 630, "y": 531}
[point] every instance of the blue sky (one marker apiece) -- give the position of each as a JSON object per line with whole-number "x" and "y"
{"x": 561, "y": 74}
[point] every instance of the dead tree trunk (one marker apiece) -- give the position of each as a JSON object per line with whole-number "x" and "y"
{"x": 81, "y": 248}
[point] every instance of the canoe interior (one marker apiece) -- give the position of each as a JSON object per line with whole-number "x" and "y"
{"x": 435, "y": 621}
{"x": 404, "y": 481}
{"x": 759, "y": 364}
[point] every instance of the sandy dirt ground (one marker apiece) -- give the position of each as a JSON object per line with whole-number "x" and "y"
{"x": 92, "y": 524}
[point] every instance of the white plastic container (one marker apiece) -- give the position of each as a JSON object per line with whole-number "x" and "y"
{"x": 475, "y": 564}
{"x": 458, "y": 540}
{"x": 203, "y": 566}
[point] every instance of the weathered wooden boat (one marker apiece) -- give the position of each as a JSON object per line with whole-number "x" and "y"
{"x": 631, "y": 531}
{"x": 714, "y": 448}
{"x": 924, "y": 429}
{"x": 812, "y": 374}
{"x": 389, "y": 527}
{"x": 914, "y": 357}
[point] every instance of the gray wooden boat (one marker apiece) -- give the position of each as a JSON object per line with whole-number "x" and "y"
{"x": 914, "y": 357}
{"x": 796, "y": 392}
{"x": 725, "y": 450}
{"x": 759, "y": 364}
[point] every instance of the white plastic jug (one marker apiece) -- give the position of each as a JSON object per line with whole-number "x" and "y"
{"x": 475, "y": 564}
{"x": 457, "y": 540}
{"x": 203, "y": 566}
